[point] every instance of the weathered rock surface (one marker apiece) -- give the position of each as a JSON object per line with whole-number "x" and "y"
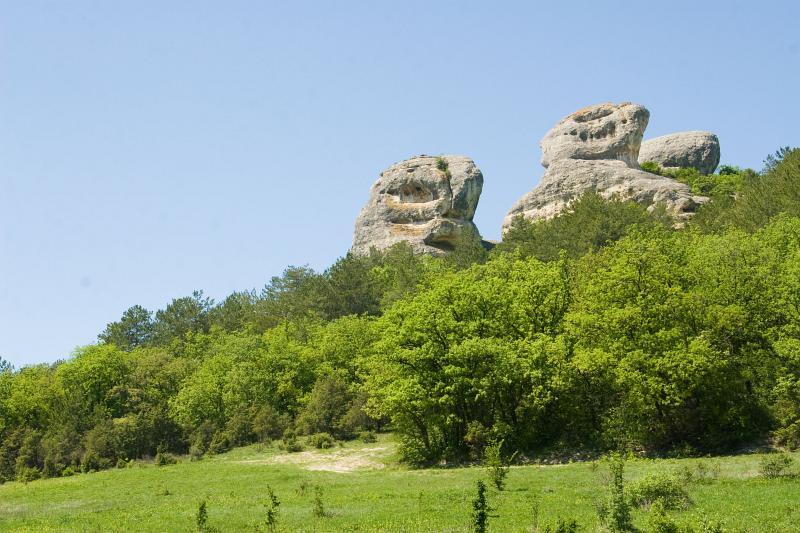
{"x": 698, "y": 149}
{"x": 419, "y": 202}
{"x": 598, "y": 149}
{"x": 568, "y": 179}
{"x": 602, "y": 131}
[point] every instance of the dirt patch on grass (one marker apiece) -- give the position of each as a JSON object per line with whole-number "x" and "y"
{"x": 339, "y": 460}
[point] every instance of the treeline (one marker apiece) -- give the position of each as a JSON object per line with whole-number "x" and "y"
{"x": 604, "y": 328}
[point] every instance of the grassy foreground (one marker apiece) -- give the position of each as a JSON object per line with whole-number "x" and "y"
{"x": 363, "y": 489}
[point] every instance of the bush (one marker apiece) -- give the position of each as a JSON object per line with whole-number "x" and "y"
{"x": 201, "y": 519}
{"x": 615, "y": 511}
{"x": 68, "y": 471}
{"x": 92, "y": 462}
{"x": 774, "y": 465}
{"x": 26, "y": 474}
{"x": 659, "y": 522}
{"x": 322, "y": 441}
{"x": 164, "y": 459}
{"x": 480, "y": 509}
{"x": 319, "y": 505}
{"x": 497, "y": 464}
{"x": 290, "y": 444}
{"x": 664, "y": 489}
{"x": 562, "y": 525}
{"x": 195, "y": 453}
{"x": 368, "y": 437}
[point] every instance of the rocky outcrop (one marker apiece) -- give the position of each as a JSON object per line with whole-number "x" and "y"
{"x": 603, "y": 131}
{"x": 426, "y": 201}
{"x": 697, "y": 149}
{"x": 568, "y": 179}
{"x": 597, "y": 149}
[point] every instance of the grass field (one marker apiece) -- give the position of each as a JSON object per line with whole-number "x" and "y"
{"x": 364, "y": 489}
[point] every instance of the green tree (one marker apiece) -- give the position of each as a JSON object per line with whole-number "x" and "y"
{"x": 135, "y": 328}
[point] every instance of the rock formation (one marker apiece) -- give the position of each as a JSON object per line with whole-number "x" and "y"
{"x": 597, "y": 149}
{"x": 697, "y": 149}
{"x": 604, "y": 131}
{"x": 426, "y": 201}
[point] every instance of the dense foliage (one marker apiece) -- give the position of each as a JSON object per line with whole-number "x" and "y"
{"x": 602, "y": 329}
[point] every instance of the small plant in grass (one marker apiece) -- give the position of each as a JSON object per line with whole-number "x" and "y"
{"x": 202, "y": 517}
{"x": 665, "y": 489}
{"x": 536, "y": 505}
{"x": 497, "y": 464}
{"x": 702, "y": 472}
{"x": 272, "y": 504}
{"x": 615, "y": 511}
{"x": 480, "y": 509}
{"x": 319, "y": 505}
{"x": 658, "y": 520}
{"x": 562, "y": 525}
{"x": 774, "y": 465}
{"x": 302, "y": 488}
{"x": 706, "y": 524}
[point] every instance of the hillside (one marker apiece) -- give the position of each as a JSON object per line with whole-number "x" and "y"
{"x": 378, "y": 494}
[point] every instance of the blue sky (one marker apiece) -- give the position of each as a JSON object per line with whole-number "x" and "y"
{"x": 151, "y": 148}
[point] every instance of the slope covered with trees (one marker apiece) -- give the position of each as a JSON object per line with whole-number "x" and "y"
{"x": 602, "y": 329}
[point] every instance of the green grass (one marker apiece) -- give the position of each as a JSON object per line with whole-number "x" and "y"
{"x": 149, "y": 498}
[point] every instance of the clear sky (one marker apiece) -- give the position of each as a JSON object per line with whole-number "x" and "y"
{"x": 150, "y": 148}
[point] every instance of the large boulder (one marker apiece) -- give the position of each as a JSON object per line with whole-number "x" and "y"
{"x": 568, "y": 179}
{"x": 602, "y": 131}
{"x": 426, "y": 201}
{"x": 697, "y": 149}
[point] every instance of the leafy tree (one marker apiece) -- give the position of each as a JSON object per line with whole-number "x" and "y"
{"x": 135, "y": 328}
{"x": 590, "y": 223}
{"x": 189, "y": 314}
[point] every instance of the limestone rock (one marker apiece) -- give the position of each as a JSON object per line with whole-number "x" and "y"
{"x": 698, "y": 149}
{"x": 421, "y": 202}
{"x": 567, "y": 179}
{"x": 602, "y": 131}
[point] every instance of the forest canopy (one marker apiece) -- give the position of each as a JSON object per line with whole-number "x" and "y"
{"x": 603, "y": 329}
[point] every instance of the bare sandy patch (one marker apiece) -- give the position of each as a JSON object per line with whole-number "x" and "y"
{"x": 341, "y": 460}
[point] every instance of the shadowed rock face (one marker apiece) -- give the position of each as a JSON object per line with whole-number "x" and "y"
{"x": 568, "y": 179}
{"x": 696, "y": 149}
{"x": 602, "y": 131}
{"x": 597, "y": 149}
{"x": 422, "y": 202}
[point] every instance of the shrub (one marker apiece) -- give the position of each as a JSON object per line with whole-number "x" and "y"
{"x": 195, "y": 453}
{"x": 497, "y": 464}
{"x": 202, "y": 517}
{"x": 290, "y": 444}
{"x": 480, "y": 509}
{"x": 322, "y": 441}
{"x": 220, "y": 443}
{"x": 319, "y": 506}
{"x": 701, "y": 473}
{"x": 164, "y": 459}
{"x": 26, "y": 474}
{"x": 664, "y": 489}
{"x": 774, "y": 465}
{"x": 272, "y": 504}
{"x": 368, "y": 436}
{"x": 658, "y": 520}
{"x": 122, "y": 463}
{"x": 92, "y": 462}
{"x": 615, "y": 512}
{"x": 562, "y": 525}
{"x": 68, "y": 471}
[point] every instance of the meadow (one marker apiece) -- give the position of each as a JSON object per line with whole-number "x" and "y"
{"x": 362, "y": 487}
